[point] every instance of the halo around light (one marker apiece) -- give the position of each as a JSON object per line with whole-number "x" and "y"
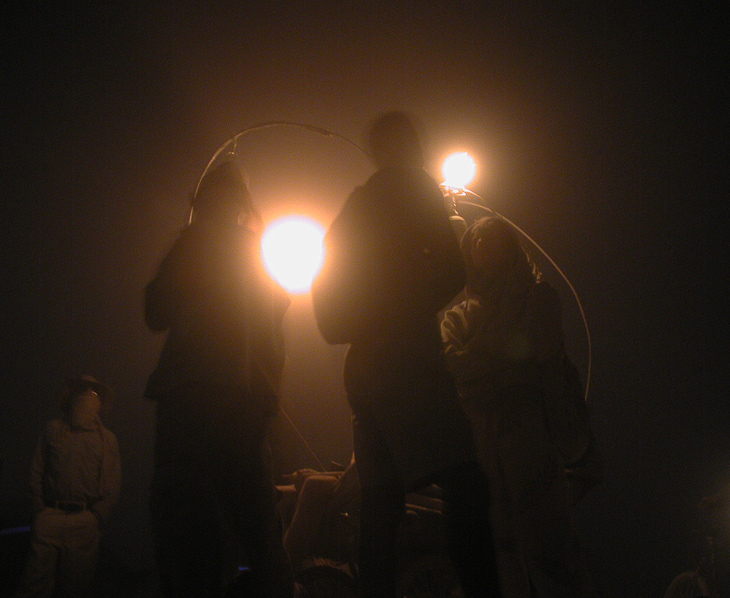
{"x": 459, "y": 170}
{"x": 293, "y": 252}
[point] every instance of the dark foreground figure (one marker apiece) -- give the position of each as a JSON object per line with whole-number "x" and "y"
{"x": 213, "y": 501}
{"x": 392, "y": 263}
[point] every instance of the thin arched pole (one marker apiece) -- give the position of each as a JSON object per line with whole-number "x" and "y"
{"x": 230, "y": 147}
{"x": 230, "y": 144}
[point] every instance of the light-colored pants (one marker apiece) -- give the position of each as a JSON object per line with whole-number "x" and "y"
{"x": 63, "y": 555}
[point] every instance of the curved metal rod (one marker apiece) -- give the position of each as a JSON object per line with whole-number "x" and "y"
{"x": 552, "y": 262}
{"x": 276, "y": 123}
{"x": 230, "y": 145}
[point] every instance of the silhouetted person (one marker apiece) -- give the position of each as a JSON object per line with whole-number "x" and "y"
{"x": 75, "y": 481}
{"x": 216, "y": 391}
{"x": 392, "y": 262}
{"x": 504, "y": 344}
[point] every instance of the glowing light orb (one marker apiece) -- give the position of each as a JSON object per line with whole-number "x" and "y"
{"x": 459, "y": 170}
{"x": 293, "y": 252}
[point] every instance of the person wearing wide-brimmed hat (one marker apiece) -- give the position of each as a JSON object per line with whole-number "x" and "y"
{"x": 75, "y": 481}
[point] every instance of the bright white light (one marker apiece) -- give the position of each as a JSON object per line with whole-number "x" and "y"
{"x": 459, "y": 170}
{"x": 293, "y": 252}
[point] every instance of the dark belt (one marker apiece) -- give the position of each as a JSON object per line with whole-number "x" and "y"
{"x": 67, "y": 506}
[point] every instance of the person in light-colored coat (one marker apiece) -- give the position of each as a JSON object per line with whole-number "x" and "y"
{"x": 75, "y": 482}
{"x": 504, "y": 344}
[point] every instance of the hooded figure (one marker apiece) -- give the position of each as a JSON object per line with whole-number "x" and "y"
{"x": 504, "y": 345}
{"x": 216, "y": 387}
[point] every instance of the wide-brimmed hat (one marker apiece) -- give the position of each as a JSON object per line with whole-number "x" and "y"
{"x": 77, "y": 384}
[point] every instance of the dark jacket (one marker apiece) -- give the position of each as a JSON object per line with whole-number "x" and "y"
{"x": 392, "y": 261}
{"x": 223, "y": 313}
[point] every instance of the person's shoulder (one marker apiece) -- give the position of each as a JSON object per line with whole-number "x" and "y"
{"x": 411, "y": 188}
{"x": 354, "y": 208}
{"x": 186, "y": 241}
{"x": 206, "y": 232}
{"x": 109, "y": 436}
{"x": 241, "y": 236}
{"x": 55, "y": 428}
{"x": 205, "y": 239}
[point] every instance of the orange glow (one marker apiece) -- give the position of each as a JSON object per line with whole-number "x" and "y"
{"x": 459, "y": 170}
{"x": 293, "y": 252}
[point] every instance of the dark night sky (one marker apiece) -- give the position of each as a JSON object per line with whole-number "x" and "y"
{"x": 588, "y": 120}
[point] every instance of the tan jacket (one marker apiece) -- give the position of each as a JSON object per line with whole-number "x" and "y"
{"x": 76, "y": 465}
